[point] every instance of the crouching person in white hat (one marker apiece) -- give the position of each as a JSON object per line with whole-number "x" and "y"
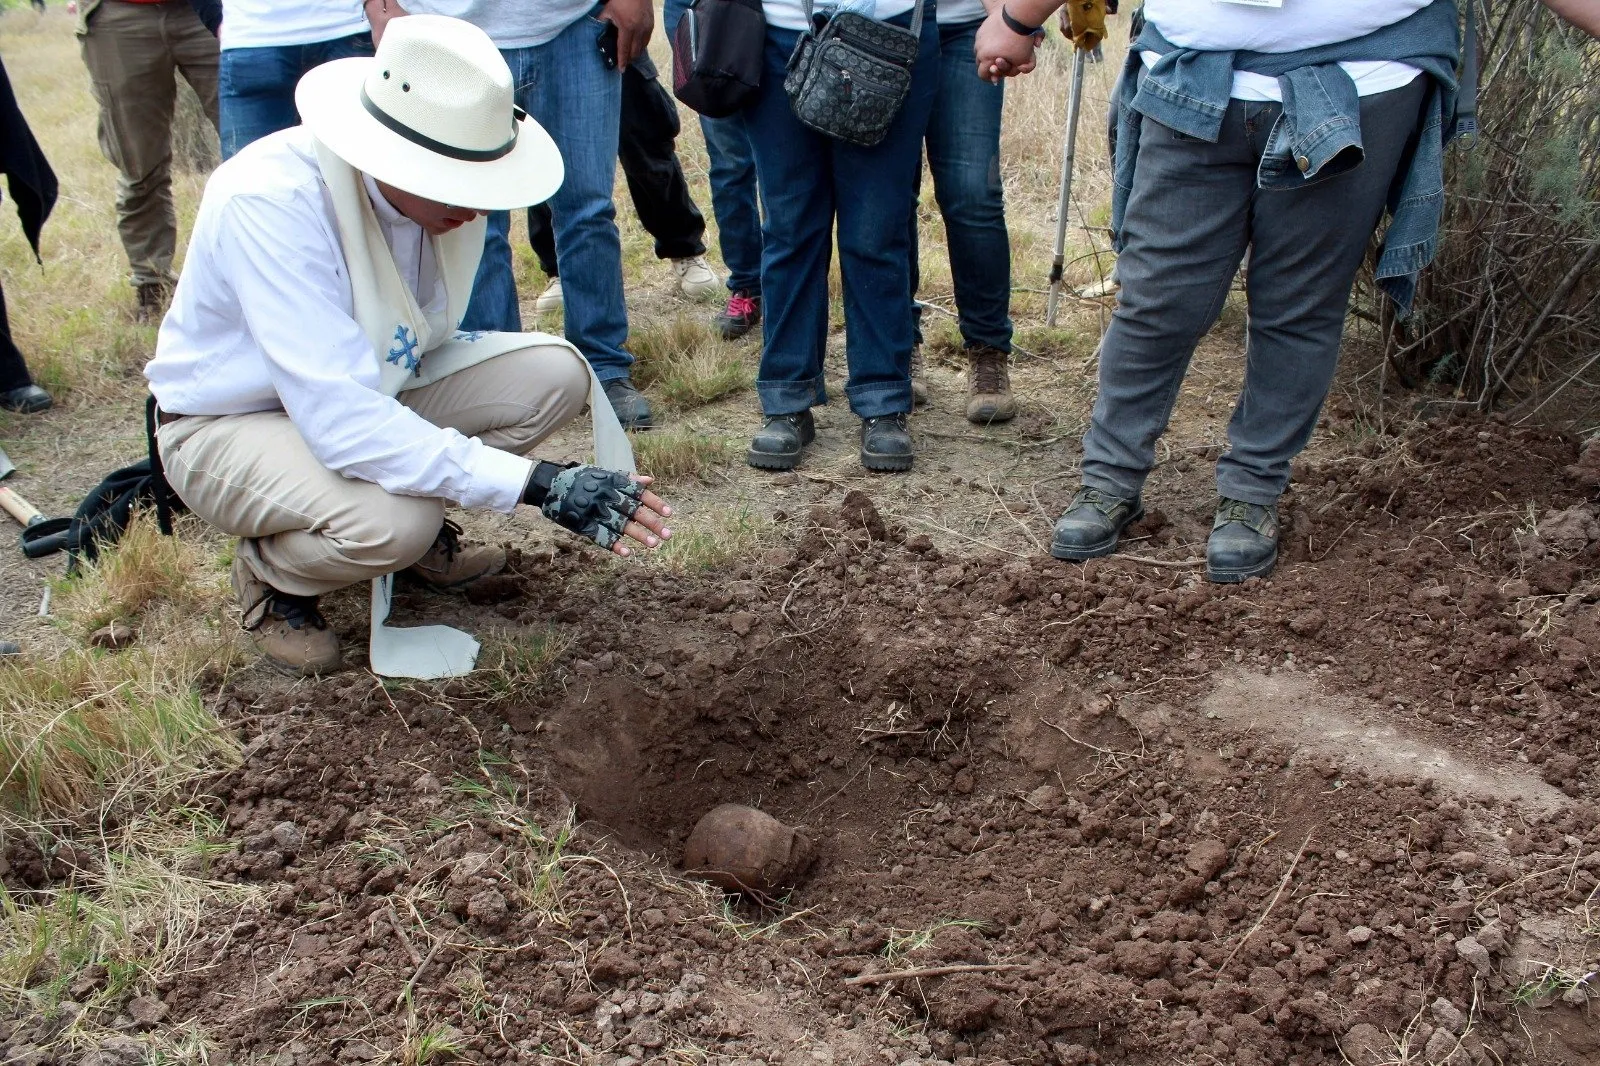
{"x": 315, "y": 398}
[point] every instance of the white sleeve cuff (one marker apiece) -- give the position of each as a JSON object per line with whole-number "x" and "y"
{"x": 498, "y": 479}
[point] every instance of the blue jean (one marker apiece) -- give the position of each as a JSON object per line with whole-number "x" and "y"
{"x": 810, "y": 182}
{"x": 964, "y": 158}
{"x": 567, "y": 89}
{"x": 255, "y": 86}
{"x": 734, "y": 198}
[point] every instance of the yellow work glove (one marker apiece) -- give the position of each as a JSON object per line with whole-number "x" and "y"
{"x": 1084, "y": 22}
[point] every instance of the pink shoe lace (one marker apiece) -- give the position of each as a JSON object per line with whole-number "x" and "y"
{"x": 740, "y": 306}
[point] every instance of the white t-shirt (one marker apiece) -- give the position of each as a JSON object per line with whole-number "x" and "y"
{"x": 509, "y": 23}
{"x": 277, "y": 23}
{"x": 791, "y": 14}
{"x": 954, "y": 12}
{"x": 1225, "y": 26}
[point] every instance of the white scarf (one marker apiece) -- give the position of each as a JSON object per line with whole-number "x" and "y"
{"x": 415, "y": 349}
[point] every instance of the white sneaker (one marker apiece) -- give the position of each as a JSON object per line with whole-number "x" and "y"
{"x": 550, "y": 299}
{"x": 695, "y": 277}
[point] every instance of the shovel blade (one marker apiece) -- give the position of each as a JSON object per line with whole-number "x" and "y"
{"x": 6, "y": 465}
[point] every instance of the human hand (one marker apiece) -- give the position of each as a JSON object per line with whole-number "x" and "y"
{"x": 379, "y": 13}
{"x": 604, "y": 505}
{"x": 635, "y": 20}
{"x": 1002, "y": 52}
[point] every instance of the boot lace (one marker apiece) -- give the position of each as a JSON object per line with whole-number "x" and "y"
{"x": 741, "y": 306}
{"x": 448, "y": 540}
{"x": 1252, "y": 515}
{"x": 989, "y": 372}
{"x": 296, "y": 611}
{"x": 1103, "y": 502}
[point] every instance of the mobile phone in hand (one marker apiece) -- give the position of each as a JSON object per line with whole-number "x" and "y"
{"x": 608, "y": 45}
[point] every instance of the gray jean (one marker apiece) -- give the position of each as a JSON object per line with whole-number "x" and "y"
{"x": 1193, "y": 211}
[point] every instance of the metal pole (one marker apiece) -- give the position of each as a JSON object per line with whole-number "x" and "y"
{"x": 1074, "y": 105}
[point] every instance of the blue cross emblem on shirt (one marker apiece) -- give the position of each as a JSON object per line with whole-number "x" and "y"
{"x": 404, "y": 350}
{"x": 471, "y": 335}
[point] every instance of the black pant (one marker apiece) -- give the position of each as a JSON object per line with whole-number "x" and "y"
{"x": 649, "y": 161}
{"x": 13, "y": 371}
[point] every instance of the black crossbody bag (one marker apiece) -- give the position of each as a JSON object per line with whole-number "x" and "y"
{"x": 717, "y": 55}
{"x": 850, "y": 78}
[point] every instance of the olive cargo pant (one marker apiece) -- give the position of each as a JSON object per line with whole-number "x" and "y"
{"x": 132, "y": 51}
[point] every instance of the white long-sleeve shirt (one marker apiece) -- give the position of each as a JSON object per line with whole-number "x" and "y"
{"x": 262, "y": 319}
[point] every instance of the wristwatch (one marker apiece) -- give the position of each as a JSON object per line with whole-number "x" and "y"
{"x": 1019, "y": 28}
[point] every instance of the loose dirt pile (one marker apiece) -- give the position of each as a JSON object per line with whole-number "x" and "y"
{"x": 1352, "y": 813}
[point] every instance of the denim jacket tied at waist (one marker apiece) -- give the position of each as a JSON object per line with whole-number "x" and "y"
{"x": 1318, "y": 136}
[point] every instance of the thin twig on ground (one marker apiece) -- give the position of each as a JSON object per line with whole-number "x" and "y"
{"x": 1283, "y": 884}
{"x": 1148, "y": 561}
{"x": 932, "y": 971}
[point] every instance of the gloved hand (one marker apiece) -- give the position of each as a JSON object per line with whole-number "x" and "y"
{"x": 603, "y": 505}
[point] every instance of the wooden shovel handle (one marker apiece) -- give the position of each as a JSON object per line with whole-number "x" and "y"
{"x": 18, "y": 508}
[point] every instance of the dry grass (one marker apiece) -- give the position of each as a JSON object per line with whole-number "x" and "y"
{"x": 707, "y": 539}
{"x": 685, "y": 364}
{"x": 144, "y": 570}
{"x": 515, "y": 664}
{"x": 87, "y": 728}
{"x": 679, "y": 454}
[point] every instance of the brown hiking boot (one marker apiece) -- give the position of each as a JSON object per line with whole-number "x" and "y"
{"x": 153, "y": 297}
{"x": 989, "y": 397}
{"x": 288, "y": 630}
{"x": 450, "y": 564}
{"x": 919, "y": 377}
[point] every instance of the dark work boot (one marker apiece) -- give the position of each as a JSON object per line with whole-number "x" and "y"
{"x": 886, "y": 444}
{"x": 1243, "y": 543}
{"x": 1091, "y": 524}
{"x": 633, "y": 410}
{"x": 780, "y": 441}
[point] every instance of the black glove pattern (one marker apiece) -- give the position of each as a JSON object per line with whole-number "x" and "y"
{"x": 592, "y": 502}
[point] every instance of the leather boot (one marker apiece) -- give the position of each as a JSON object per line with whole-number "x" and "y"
{"x": 450, "y": 564}
{"x": 1243, "y": 542}
{"x": 989, "y": 398}
{"x": 1092, "y": 523}
{"x": 781, "y": 440}
{"x": 288, "y": 630}
{"x": 886, "y": 444}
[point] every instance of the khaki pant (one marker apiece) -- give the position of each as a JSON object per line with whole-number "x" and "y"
{"x": 307, "y": 530}
{"x": 131, "y": 51}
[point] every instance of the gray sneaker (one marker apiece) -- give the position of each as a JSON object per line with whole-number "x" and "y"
{"x": 1243, "y": 542}
{"x": 1092, "y": 523}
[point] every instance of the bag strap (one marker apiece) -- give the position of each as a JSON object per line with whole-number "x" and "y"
{"x": 916, "y": 17}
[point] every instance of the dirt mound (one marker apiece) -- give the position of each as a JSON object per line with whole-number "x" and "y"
{"x": 1124, "y": 815}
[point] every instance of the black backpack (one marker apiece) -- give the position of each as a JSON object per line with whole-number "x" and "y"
{"x": 105, "y": 513}
{"x": 717, "y": 55}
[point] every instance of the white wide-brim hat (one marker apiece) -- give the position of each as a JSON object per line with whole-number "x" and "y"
{"x": 433, "y": 114}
